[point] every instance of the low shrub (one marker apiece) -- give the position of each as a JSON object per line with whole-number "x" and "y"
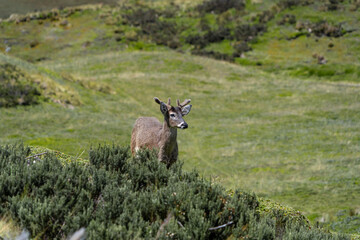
{"x": 241, "y": 47}
{"x": 287, "y": 19}
{"x": 333, "y": 5}
{"x": 220, "y": 6}
{"x": 16, "y": 88}
{"x": 160, "y": 31}
{"x": 115, "y": 196}
{"x": 321, "y": 28}
{"x": 247, "y": 32}
{"x": 284, "y": 4}
{"x": 265, "y": 16}
{"x": 141, "y": 16}
{"x": 200, "y": 40}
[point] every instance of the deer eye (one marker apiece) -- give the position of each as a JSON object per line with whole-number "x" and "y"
{"x": 172, "y": 115}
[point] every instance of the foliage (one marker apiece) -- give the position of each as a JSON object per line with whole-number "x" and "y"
{"x": 164, "y": 29}
{"x": 16, "y": 88}
{"x": 162, "y": 32}
{"x": 322, "y": 28}
{"x": 293, "y": 3}
{"x": 290, "y": 133}
{"x": 287, "y": 19}
{"x": 346, "y": 221}
{"x": 115, "y": 196}
{"x": 219, "y": 6}
{"x": 247, "y": 32}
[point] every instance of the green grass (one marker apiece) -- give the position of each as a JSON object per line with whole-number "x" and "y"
{"x": 288, "y": 130}
{"x": 292, "y": 140}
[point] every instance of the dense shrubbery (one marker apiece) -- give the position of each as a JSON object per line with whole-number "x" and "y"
{"x": 247, "y": 32}
{"x": 287, "y": 19}
{"x": 118, "y": 197}
{"x": 293, "y": 3}
{"x": 219, "y": 6}
{"x": 16, "y": 88}
{"x": 162, "y": 28}
{"x": 321, "y": 28}
{"x": 161, "y": 32}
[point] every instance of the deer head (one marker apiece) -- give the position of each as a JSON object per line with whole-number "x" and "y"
{"x": 174, "y": 115}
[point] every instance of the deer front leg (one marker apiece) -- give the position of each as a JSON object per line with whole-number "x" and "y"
{"x": 162, "y": 156}
{"x": 174, "y": 155}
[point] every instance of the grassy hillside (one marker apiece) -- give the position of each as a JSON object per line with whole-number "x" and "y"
{"x": 272, "y": 120}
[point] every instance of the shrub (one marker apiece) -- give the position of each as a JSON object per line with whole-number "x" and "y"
{"x": 201, "y": 40}
{"x": 220, "y": 6}
{"x": 265, "y": 16}
{"x": 287, "y": 19}
{"x": 240, "y": 48}
{"x": 323, "y": 28}
{"x": 283, "y": 4}
{"x": 247, "y": 32}
{"x": 162, "y": 32}
{"x": 16, "y": 88}
{"x": 333, "y": 5}
{"x": 141, "y": 16}
{"x": 197, "y": 40}
{"x": 218, "y": 34}
{"x": 115, "y": 196}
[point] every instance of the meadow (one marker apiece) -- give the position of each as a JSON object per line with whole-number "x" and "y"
{"x": 272, "y": 121}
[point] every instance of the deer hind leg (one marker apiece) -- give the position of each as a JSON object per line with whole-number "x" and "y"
{"x": 134, "y": 142}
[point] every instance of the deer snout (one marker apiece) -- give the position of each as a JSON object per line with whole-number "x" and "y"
{"x": 183, "y": 125}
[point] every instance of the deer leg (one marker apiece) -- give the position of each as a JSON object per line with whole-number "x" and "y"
{"x": 173, "y": 156}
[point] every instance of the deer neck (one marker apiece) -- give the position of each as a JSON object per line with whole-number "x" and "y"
{"x": 168, "y": 133}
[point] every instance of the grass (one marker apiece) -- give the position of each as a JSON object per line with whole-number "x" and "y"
{"x": 8, "y": 229}
{"x": 288, "y": 130}
{"x": 287, "y": 139}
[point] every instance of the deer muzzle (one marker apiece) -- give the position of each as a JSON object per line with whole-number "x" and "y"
{"x": 183, "y": 125}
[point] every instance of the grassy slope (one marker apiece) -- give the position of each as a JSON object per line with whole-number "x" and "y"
{"x": 292, "y": 139}
{"x": 294, "y": 57}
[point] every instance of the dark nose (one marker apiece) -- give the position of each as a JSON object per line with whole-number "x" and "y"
{"x": 184, "y": 125}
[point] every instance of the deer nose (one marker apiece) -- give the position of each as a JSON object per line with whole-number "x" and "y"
{"x": 183, "y": 125}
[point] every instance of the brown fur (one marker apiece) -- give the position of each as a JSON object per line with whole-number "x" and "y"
{"x": 149, "y": 133}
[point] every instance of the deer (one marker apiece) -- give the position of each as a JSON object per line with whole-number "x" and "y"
{"x": 149, "y": 133}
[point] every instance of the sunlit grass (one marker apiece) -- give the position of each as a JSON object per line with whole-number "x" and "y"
{"x": 8, "y": 229}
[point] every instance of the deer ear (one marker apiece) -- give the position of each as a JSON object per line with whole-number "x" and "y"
{"x": 157, "y": 100}
{"x": 163, "y": 108}
{"x": 185, "y": 110}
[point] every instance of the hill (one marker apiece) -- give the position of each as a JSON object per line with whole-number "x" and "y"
{"x": 269, "y": 118}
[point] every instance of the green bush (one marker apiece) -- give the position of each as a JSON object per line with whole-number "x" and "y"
{"x": 115, "y": 196}
{"x": 162, "y": 32}
{"x": 220, "y": 6}
{"x": 284, "y": 4}
{"x": 247, "y": 32}
{"x": 16, "y": 88}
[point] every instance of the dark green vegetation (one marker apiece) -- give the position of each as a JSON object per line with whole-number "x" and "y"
{"x": 282, "y": 120}
{"x": 15, "y": 87}
{"x": 117, "y": 197}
